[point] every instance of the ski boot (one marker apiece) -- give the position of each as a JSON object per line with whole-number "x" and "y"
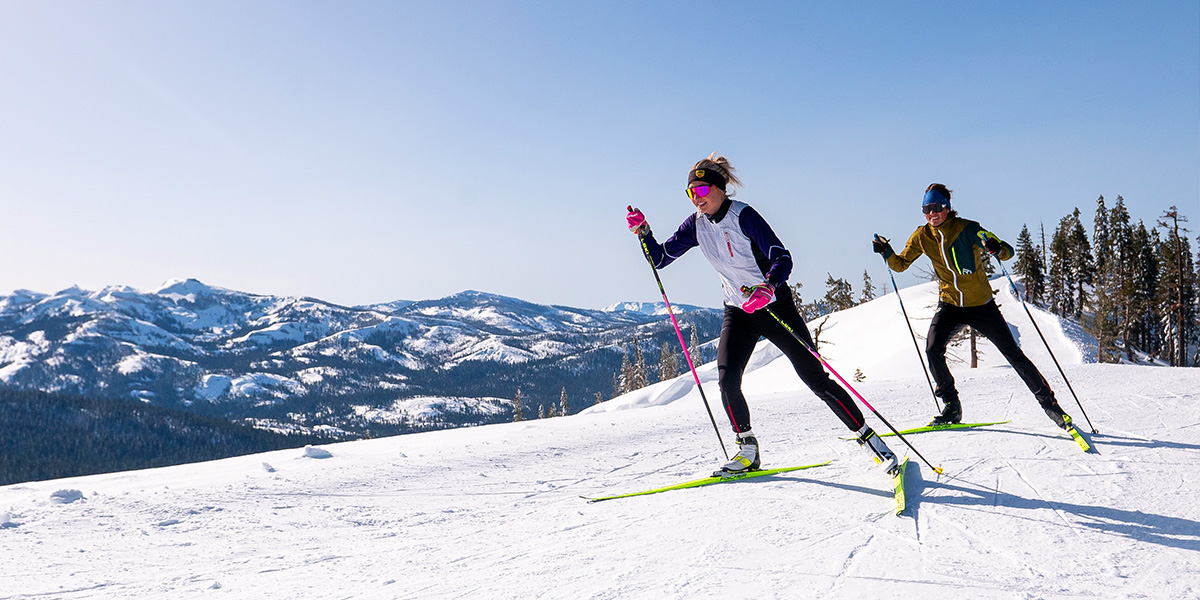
{"x": 1056, "y": 414}
{"x": 747, "y": 458}
{"x": 879, "y": 450}
{"x": 951, "y": 412}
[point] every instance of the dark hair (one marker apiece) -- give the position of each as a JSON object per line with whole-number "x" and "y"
{"x": 941, "y": 187}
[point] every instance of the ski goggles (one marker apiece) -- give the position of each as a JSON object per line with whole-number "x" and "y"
{"x": 933, "y": 207}
{"x": 699, "y": 191}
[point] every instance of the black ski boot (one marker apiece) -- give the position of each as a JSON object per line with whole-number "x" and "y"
{"x": 1056, "y": 414}
{"x": 951, "y": 413}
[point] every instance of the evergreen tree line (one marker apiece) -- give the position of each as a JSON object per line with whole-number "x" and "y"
{"x": 1134, "y": 288}
{"x": 49, "y": 436}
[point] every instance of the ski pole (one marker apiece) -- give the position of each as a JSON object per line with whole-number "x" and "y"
{"x": 847, "y": 385}
{"x": 920, "y": 355}
{"x": 682, "y": 344}
{"x": 1052, "y": 357}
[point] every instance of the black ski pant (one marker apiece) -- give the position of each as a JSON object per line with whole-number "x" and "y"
{"x": 987, "y": 320}
{"x": 740, "y": 332}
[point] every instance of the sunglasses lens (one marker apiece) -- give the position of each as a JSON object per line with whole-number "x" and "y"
{"x": 932, "y": 208}
{"x": 699, "y": 191}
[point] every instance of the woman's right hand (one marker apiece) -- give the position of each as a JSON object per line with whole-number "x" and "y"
{"x": 636, "y": 221}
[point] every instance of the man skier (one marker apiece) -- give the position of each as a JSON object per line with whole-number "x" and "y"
{"x": 955, "y": 246}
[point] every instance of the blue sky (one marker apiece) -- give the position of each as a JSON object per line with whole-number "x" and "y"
{"x": 365, "y": 152}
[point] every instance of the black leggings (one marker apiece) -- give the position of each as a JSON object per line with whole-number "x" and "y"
{"x": 987, "y": 320}
{"x": 739, "y": 334}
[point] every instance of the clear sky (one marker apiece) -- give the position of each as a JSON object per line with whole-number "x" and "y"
{"x": 364, "y": 152}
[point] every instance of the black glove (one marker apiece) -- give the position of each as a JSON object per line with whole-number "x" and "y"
{"x": 881, "y": 246}
{"x": 992, "y": 245}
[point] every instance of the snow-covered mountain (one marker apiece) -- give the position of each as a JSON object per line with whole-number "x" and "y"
{"x": 495, "y": 511}
{"x": 293, "y": 362}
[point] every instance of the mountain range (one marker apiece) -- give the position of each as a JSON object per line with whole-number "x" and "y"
{"x": 303, "y": 365}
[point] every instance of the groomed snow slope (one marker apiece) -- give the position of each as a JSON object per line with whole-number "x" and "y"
{"x": 495, "y": 512}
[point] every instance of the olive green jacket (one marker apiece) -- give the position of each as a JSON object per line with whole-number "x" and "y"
{"x": 956, "y": 250}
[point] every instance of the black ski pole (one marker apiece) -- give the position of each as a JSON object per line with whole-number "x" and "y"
{"x": 847, "y": 385}
{"x": 920, "y": 355}
{"x": 1052, "y": 357}
{"x": 686, "y": 354}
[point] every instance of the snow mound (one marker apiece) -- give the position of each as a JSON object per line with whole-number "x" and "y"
{"x": 315, "y": 452}
{"x": 66, "y": 496}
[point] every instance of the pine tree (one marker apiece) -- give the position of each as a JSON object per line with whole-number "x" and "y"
{"x": 1146, "y": 332}
{"x": 640, "y": 373}
{"x": 1082, "y": 263}
{"x": 633, "y": 373}
{"x": 668, "y": 363}
{"x": 1105, "y": 313}
{"x": 625, "y": 378}
{"x": 694, "y": 349}
{"x": 563, "y": 408}
{"x": 868, "y": 291}
{"x": 599, "y": 399}
{"x": 1042, "y": 226}
{"x": 1177, "y": 288}
{"x": 1071, "y": 267}
{"x": 544, "y": 413}
{"x": 1124, "y": 274}
{"x": 839, "y": 295}
{"x": 518, "y": 405}
{"x": 1030, "y": 267}
{"x": 1060, "y": 283}
{"x": 1100, "y": 235}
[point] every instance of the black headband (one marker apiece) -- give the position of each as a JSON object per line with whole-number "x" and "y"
{"x": 707, "y": 176}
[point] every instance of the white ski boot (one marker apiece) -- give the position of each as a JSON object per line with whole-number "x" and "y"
{"x": 879, "y": 450}
{"x": 747, "y": 458}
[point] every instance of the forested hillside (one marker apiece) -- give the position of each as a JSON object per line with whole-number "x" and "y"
{"x": 48, "y": 436}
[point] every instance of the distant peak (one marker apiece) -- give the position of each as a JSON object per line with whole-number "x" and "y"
{"x": 182, "y": 286}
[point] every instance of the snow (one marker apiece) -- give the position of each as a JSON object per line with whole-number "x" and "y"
{"x": 649, "y": 308}
{"x": 273, "y": 334}
{"x": 213, "y": 386}
{"x": 135, "y": 362}
{"x": 431, "y": 408}
{"x": 495, "y": 511}
{"x": 257, "y": 385}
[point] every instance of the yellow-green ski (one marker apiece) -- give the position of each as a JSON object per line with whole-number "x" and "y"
{"x": 709, "y": 481}
{"x": 934, "y": 428}
{"x": 1075, "y": 435}
{"x": 898, "y": 484}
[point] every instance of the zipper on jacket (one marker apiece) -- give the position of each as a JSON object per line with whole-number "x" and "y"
{"x": 729, "y": 244}
{"x": 953, "y": 276}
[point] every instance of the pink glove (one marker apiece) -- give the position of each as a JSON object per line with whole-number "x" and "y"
{"x": 760, "y": 296}
{"x": 636, "y": 221}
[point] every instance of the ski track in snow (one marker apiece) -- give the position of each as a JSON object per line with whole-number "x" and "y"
{"x": 495, "y": 511}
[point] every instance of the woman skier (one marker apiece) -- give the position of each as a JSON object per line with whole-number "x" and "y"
{"x": 747, "y": 255}
{"x": 955, "y": 246}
